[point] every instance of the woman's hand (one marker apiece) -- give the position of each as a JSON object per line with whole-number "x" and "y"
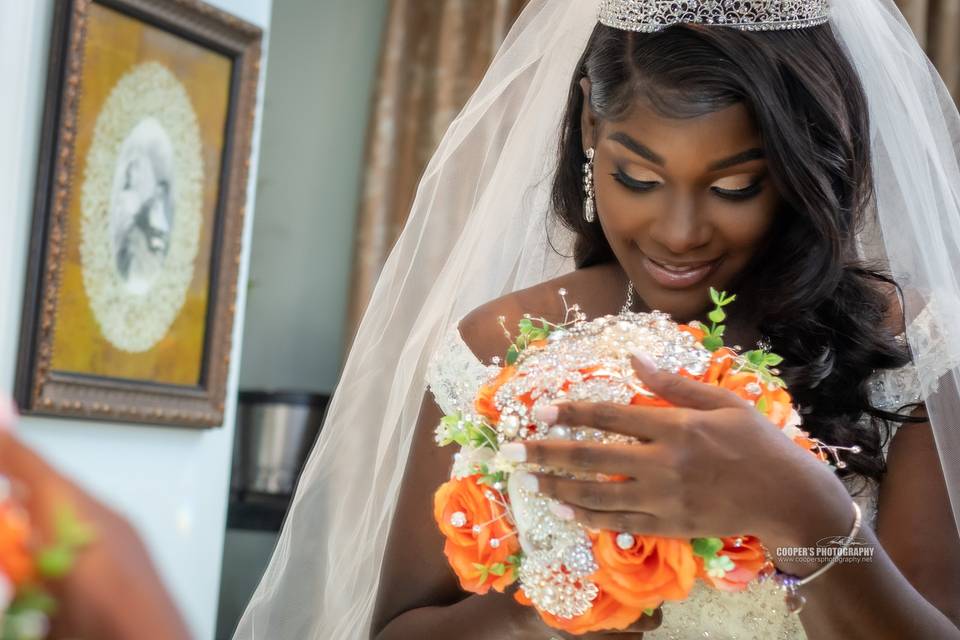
{"x": 113, "y": 591}
{"x": 712, "y": 465}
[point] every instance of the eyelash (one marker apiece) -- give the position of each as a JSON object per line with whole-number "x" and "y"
{"x": 644, "y": 187}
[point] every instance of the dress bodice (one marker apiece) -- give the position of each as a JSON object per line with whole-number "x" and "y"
{"x": 757, "y": 613}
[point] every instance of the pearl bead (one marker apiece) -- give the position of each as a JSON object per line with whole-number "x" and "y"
{"x": 559, "y": 432}
{"x": 625, "y": 541}
{"x": 458, "y": 519}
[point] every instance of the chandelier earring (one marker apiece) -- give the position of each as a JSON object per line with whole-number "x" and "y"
{"x": 589, "y": 201}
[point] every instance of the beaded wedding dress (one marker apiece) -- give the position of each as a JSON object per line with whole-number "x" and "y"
{"x": 758, "y": 613}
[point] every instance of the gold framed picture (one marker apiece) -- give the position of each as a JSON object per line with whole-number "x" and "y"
{"x": 138, "y": 218}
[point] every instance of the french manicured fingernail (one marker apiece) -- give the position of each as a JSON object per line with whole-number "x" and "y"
{"x": 514, "y": 451}
{"x": 546, "y": 413}
{"x": 529, "y": 483}
{"x": 562, "y": 511}
{"x": 644, "y": 362}
{"x": 8, "y": 414}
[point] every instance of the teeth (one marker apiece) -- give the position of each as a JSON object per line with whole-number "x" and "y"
{"x": 679, "y": 269}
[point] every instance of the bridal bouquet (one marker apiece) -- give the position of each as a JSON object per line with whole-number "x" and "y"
{"x": 581, "y": 580}
{"x": 25, "y": 567}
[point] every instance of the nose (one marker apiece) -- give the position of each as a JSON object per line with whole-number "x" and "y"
{"x": 679, "y": 228}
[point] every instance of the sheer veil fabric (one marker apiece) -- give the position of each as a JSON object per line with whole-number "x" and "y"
{"x": 495, "y": 162}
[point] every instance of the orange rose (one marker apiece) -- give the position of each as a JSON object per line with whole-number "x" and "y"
{"x": 773, "y": 401}
{"x": 749, "y": 558}
{"x": 484, "y": 403}
{"x": 720, "y": 363}
{"x": 475, "y": 557}
{"x": 606, "y": 613}
{"x": 654, "y": 569}
{"x": 698, "y": 333}
{"x": 16, "y": 561}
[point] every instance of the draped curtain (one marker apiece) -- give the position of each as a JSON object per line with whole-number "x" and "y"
{"x": 434, "y": 54}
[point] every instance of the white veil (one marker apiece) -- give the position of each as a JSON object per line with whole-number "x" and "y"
{"x": 495, "y": 162}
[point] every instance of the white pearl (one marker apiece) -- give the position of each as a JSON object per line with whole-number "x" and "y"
{"x": 559, "y": 432}
{"x": 625, "y": 541}
{"x": 458, "y": 518}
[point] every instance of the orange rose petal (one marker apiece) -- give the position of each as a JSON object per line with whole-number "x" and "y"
{"x": 464, "y": 549}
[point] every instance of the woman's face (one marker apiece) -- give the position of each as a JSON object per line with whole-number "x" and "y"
{"x": 684, "y": 203}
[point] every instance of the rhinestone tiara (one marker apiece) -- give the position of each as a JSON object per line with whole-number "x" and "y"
{"x": 748, "y": 15}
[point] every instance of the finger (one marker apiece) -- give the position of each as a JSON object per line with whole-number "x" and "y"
{"x": 648, "y": 424}
{"x": 639, "y": 523}
{"x": 583, "y": 457}
{"x": 630, "y": 495}
{"x": 645, "y": 423}
{"x": 683, "y": 392}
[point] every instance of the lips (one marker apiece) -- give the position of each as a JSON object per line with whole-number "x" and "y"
{"x": 679, "y": 276}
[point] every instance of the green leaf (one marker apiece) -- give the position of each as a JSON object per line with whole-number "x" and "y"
{"x": 649, "y": 611}
{"x": 512, "y": 354}
{"x": 762, "y": 405}
{"x": 772, "y": 360}
{"x": 712, "y": 343}
{"x": 755, "y": 357}
{"x": 33, "y": 598}
{"x": 717, "y": 316}
{"x": 55, "y": 562}
{"x": 498, "y": 569}
{"x": 714, "y": 296}
{"x": 727, "y": 299}
{"x": 707, "y": 547}
{"x": 525, "y": 325}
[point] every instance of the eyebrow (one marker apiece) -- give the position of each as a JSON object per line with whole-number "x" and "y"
{"x": 645, "y": 152}
{"x": 745, "y": 156}
{"x": 639, "y": 149}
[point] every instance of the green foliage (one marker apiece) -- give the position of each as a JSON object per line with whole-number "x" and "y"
{"x": 454, "y": 428}
{"x": 499, "y": 569}
{"x": 759, "y": 361}
{"x": 706, "y": 547}
{"x": 529, "y": 332}
{"x": 713, "y": 339}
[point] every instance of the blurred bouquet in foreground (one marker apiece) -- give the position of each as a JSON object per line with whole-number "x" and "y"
{"x": 580, "y": 580}
{"x": 26, "y": 569}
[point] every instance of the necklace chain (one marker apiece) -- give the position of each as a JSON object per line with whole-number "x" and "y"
{"x": 628, "y": 305}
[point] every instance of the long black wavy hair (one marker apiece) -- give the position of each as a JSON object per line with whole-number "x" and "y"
{"x": 824, "y": 311}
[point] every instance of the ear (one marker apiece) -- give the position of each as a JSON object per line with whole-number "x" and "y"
{"x": 588, "y": 121}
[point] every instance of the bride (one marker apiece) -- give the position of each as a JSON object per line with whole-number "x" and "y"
{"x": 764, "y": 148}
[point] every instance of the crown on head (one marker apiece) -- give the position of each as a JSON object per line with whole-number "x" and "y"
{"x": 749, "y": 15}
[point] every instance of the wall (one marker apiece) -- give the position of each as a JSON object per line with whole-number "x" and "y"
{"x": 320, "y": 83}
{"x": 322, "y": 66}
{"x": 171, "y": 483}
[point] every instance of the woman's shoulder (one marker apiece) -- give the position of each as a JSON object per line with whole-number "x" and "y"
{"x": 590, "y": 287}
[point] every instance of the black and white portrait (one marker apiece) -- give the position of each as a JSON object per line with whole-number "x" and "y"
{"x": 142, "y": 205}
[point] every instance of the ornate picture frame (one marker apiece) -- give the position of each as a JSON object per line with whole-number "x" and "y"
{"x": 138, "y": 217}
